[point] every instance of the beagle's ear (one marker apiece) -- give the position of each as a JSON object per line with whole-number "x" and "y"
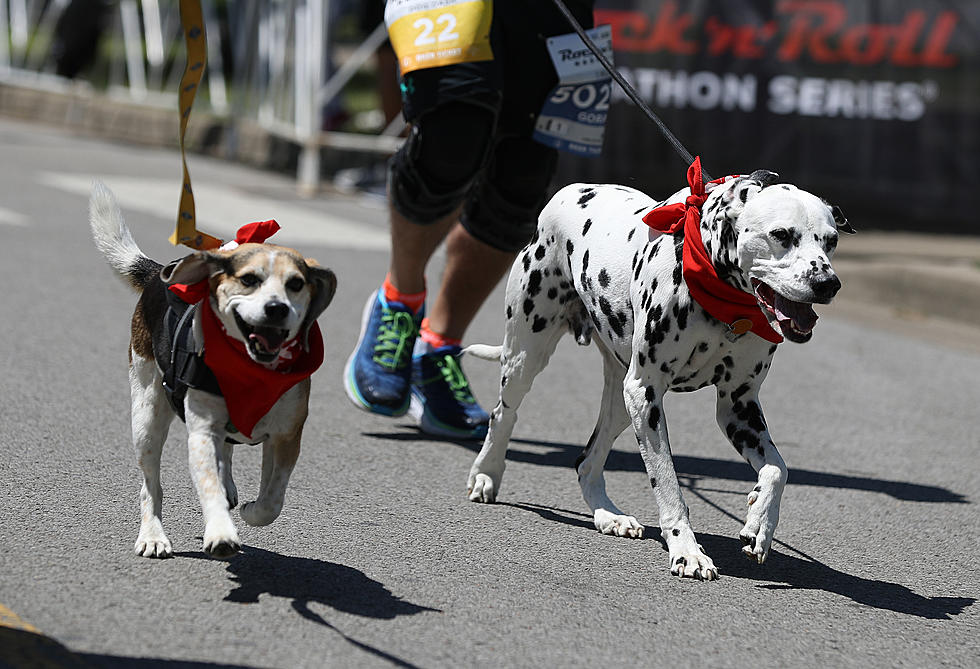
{"x": 193, "y": 268}
{"x": 841, "y": 221}
{"x": 324, "y": 284}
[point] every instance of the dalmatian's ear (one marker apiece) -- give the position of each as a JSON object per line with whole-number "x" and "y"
{"x": 742, "y": 189}
{"x": 764, "y": 177}
{"x": 841, "y": 221}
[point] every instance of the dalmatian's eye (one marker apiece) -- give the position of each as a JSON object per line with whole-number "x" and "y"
{"x": 830, "y": 244}
{"x": 295, "y": 284}
{"x": 780, "y": 234}
{"x": 249, "y": 280}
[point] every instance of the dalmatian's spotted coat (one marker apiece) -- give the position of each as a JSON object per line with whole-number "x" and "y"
{"x": 596, "y": 269}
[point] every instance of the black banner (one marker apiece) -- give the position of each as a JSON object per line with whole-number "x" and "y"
{"x": 871, "y": 104}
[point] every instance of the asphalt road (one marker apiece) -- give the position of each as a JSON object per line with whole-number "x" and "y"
{"x": 378, "y": 559}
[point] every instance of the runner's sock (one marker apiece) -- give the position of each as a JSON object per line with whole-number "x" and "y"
{"x": 413, "y": 301}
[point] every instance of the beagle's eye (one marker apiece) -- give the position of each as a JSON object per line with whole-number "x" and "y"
{"x": 249, "y": 280}
{"x": 780, "y": 234}
{"x": 295, "y": 284}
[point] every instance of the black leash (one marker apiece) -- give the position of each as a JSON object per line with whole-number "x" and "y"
{"x": 629, "y": 90}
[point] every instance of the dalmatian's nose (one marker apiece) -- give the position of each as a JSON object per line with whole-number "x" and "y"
{"x": 826, "y": 287}
{"x": 276, "y": 311}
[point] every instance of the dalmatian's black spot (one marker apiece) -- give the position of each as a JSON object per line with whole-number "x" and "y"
{"x": 680, "y": 560}
{"x": 758, "y": 488}
{"x": 585, "y": 261}
{"x": 728, "y": 362}
{"x": 585, "y": 228}
{"x": 757, "y": 369}
{"x": 653, "y": 482}
{"x": 539, "y": 324}
{"x": 629, "y": 237}
{"x": 641, "y": 209}
{"x": 569, "y": 247}
{"x": 587, "y": 189}
{"x": 604, "y": 278}
{"x": 583, "y": 201}
{"x": 642, "y": 359}
{"x": 654, "y": 419}
{"x": 534, "y": 283}
{"x": 678, "y": 274}
{"x": 539, "y": 253}
{"x": 552, "y": 293}
{"x": 526, "y": 260}
{"x": 503, "y": 379}
{"x": 743, "y": 195}
{"x": 510, "y": 311}
{"x": 528, "y": 307}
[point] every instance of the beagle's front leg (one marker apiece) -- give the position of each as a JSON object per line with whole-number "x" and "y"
{"x": 207, "y": 416}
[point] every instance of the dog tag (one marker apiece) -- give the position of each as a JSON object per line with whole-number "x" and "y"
{"x": 573, "y": 117}
{"x": 738, "y": 328}
{"x": 431, "y": 33}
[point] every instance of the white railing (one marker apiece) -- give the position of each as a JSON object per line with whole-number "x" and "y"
{"x": 278, "y": 75}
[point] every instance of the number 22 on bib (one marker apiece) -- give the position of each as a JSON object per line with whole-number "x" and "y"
{"x": 432, "y": 33}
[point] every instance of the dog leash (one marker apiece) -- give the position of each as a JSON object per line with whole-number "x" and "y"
{"x": 629, "y": 90}
{"x": 195, "y": 41}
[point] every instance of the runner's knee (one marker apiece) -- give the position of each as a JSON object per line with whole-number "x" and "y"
{"x": 433, "y": 171}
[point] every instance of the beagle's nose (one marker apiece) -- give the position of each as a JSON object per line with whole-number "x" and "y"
{"x": 276, "y": 311}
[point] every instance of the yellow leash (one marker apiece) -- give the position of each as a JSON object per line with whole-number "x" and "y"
{"x": 195, "y": 39}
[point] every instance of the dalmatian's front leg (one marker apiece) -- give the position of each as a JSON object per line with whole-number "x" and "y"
{"x": 740, "y": 417}
{"x": 644, "y": 401}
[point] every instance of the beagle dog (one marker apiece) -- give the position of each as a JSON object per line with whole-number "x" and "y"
{"x": 226, "y": 340}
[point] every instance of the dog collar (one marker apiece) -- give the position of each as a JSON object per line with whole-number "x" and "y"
{"x": 735, "y": 308}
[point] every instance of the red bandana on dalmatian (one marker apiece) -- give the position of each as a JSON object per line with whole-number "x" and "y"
{"x": 728, "y": 304}
{"x": 250, "y": 389}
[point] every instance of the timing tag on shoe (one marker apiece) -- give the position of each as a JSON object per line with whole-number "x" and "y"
{"x": 573, "y": 117}
{"x": 432, "y": 33}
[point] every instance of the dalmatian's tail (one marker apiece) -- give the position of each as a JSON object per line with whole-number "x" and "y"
{"x": 485, "y": 352}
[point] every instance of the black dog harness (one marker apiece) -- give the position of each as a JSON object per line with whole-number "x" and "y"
{"x": 185, "y": 367}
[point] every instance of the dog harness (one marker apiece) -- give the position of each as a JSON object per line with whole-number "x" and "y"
{"x": 186, "y": 368}
{"x": 736, "y": 308}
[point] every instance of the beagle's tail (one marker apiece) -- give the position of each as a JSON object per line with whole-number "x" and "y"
{"x": 485, "y": 352}
{"x": 114, "y": 240}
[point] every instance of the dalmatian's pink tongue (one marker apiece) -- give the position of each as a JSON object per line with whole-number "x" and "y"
{"x": 798, "y": 315}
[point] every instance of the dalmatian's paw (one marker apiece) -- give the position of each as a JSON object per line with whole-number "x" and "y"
{"x": 617, "y": 525}
{"x": 153, "y": 543}
{"x": 481, "y": 488}
{"x": 760, "y": 525}
{"x": 687, "y": 558}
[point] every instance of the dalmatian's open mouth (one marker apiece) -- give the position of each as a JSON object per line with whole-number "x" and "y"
{"x": 263, "y": 342}
{"x": 794, "y": 320}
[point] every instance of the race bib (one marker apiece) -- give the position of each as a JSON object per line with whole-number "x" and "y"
{"x": 573, "y": 117}
{"x": 431, "y": 33}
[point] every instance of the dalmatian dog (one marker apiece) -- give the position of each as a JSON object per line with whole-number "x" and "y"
{"x": 595, "y": 269}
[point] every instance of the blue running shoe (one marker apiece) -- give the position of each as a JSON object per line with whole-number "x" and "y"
{"x": 442, "y": 403}
{"x": 378, "y": 373}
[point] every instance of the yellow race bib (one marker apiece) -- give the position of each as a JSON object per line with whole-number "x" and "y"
{"x": 431, "y": 33}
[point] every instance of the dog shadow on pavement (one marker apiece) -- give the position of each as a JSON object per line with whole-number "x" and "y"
{"x": 564, "y": 454}
{"x": 305, "y": 581}
{"x": 787, "y": 568}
